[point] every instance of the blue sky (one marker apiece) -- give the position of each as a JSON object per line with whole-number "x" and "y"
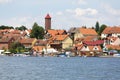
{"x": 65, "y": 13}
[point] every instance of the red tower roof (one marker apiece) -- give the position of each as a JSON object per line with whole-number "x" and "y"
{"x": 48, "y": 16}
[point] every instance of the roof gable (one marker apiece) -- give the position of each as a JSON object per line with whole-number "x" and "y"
{"x": 27, "y": 40}
{"x": 56, "y": 32}
{"x": 60, "y": 37}
{"x": 88, "y": 31}
{"x": 95, "y": 48}
{"x": 111, "y": 30}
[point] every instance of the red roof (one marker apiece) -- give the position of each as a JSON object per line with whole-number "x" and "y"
{"x": 48, "y": 16}
{"x": 111, "y": 30}
{"x": 93, "y": 43}
{"x": 88, "y": 31}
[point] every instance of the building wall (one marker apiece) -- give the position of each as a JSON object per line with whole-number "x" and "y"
{"x": 103, "y": 35}
{"x": 116, "y": 35}
{"x": 34, "y": 41}
{"x": 67, "y": 43}
{"x": 117, "y": 42}
{"x": 78, "y": 35}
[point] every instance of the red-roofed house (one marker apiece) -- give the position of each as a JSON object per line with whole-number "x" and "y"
{"x": 88, "y": 47}
{"x": 111, "y": 32}
{"x": 6, "y": 42}
{"x": 28, "y": 42}
{"x": 61, "y": 42}
{"x": 84, "y": 32}
{"x": 112, "y": 41}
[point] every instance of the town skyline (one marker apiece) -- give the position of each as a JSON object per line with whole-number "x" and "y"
{"x": 64, "y": 15}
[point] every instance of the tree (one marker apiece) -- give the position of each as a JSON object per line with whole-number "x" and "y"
{"x": 16, "y": 47}
{"x": 102, "y": 27}
{"x": 6, "y": 27}
{"x": 22, "y": 28}
{"x": 97, "y": 26}
{"x": 37, "y": 32}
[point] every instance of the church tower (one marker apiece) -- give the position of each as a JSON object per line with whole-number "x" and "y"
{"x": 47, "y": 22}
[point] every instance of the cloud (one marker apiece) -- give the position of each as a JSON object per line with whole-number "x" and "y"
{"x": 111, "y": 10}
{"x": 76, "y": 17}
{"x": 83, "y": 12}
{"x": 5, "y": 1}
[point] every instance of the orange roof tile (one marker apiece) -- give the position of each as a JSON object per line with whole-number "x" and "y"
{"x": 60, "y": 37}
{"x": 89, "y": 38}
{"x": 27, "y": 40}
{"x": 88, "y": 31}
{"x": 61, "y": 31}
{"x": 52, "y": 32}
{"x": 110, "y": 30}
{"x": 56, "y": 32}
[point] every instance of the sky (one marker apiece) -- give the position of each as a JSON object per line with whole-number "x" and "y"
{"x": 65, "y": 13}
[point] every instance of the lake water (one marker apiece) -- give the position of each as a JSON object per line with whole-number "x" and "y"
{"x": 57, "y": 68}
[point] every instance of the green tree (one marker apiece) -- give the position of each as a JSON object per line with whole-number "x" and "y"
{"x": 37, "y": 32}
{"x": 102, "y": 27}
{"x": 6, "y": 27}
{"x": 22, "y": 28}
{"x": 97, "y": 26}
{"x": 16, "y": 47}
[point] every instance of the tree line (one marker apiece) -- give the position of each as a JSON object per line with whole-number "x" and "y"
{"x": 36, "y": 31}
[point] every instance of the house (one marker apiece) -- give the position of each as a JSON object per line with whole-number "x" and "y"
{"x": 28, "y": 42}
{"x": 87, "y": 50}
{"x": 84, "y": 32}
{"x": 5, "y": 43}
{"x": 89, "y": 47}
{"x": 61, "y": 42}
{"x": 40, "y": 45}
{"x": 88, "y": 38}
{"x": 111, "y": 32}
{"x": 112, "y": 41}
